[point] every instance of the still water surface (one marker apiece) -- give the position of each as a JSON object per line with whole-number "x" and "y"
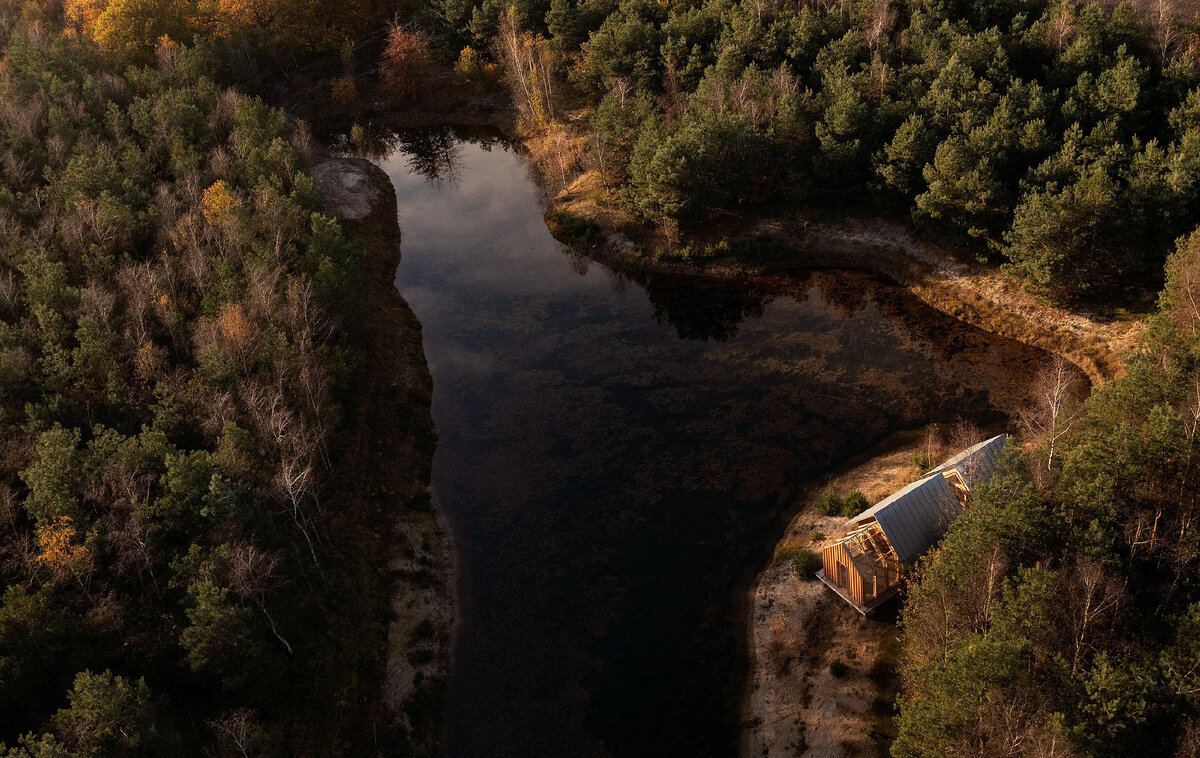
{"x": 616, "y": 455}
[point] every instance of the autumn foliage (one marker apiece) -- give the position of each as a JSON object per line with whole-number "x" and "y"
{"x": 344, "y": 91}
{"x": 404, "y": 64}
{"x": 235, "y": 16}
{"x": 81, "y": 15}
{"x": 218, "y": 202}
{"x": 131, "y": 29}
{"x": 178, "y": 326}
{"x": 471, "y": 68}
{"x": 57, "y": 552}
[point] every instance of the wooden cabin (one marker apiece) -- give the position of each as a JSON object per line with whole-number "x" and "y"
{"x": 867, "y": 565}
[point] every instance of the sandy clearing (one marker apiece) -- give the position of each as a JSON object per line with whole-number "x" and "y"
{"x": 795, "y": 705}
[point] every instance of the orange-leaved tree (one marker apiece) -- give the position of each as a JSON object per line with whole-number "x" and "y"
{"x": 57, "y": 552}
{"x": 218, "y": 202}
{"x": 405, "y": 63}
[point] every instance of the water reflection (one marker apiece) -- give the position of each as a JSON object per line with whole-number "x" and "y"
{"x": 432, "y": 153}
{"x": 616, "y": 455}
{"x": 704, "y": 310}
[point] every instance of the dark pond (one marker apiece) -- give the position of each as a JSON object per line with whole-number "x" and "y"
{"x": 617, "y": 455}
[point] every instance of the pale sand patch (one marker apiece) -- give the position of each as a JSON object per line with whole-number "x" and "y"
{"x": 351, "y": 192}
{"x": 794, "y": 705}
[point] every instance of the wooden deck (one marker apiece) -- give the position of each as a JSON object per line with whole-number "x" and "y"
{"x": 874, "y": 603}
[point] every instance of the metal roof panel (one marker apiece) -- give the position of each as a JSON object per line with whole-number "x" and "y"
{"x": 916, "y": 516}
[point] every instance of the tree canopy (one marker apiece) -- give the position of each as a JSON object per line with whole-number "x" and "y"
{"x": 180, "y": 330}
{"x": 1057, "y": 137}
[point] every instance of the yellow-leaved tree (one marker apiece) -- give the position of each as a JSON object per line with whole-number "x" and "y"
{"x": 57, "y": 552}
{"x": 234, "y": 17}
{"x": 81, "y": 15}
{"x": 218, "y": 202}
{"x": 131, "y": 29}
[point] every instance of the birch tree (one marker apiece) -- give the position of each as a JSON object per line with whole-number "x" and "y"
{"x": 1057, "y": 394}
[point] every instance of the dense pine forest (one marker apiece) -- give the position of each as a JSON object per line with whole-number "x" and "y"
{"x": 183, "y": 570}
{"x": 1061, "y": 139}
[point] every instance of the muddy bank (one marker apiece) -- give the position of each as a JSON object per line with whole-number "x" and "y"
{"x": 821, "y": 680}
{"x": 781, "y": 244}
{"x": 390, "y": 464}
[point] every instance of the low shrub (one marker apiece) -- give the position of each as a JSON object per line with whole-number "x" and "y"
{"x": 806, "y": 564}
{"x": 854, "y": 504}
{"x": 568, "y": 226}
{"x": 344, "y": 92}
{"x": 787, "y": 549}
{"x": 829, "y": 503}
{"x": 839, "y": 668}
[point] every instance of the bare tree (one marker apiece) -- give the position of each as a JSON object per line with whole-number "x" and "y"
{"x": 564, "y": 150}
{"x": 10, "y": 295}
{"x": 673, "y": 93}
{"x": 1057, "y": 395}
{"x": 137, "y": 285}
{"x": 598, "y": 153}
{"x": 296, "y": 444}
{"x": 262, "y": 287}
{"x": 10, "y": 507}
{"x": 931, "y": 447}
{"x": 1191, "y": 407}
{"x": 1183, "y": 289}
{"x": 1141, "y": 533}
{"x": 237, "y": 732}
{"x": 252, "y": 575}
{"x": 1165, "y": 30}
{"x": 1092, "y": 598}
{"x": 1189, "y": 740}
{"x": 883, "y": 16}
{"x": 528, "y": 68}
{"x": 1062, "y": 27}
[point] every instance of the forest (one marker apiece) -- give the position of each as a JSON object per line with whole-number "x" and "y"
{"x": 180, "y": 337}
{"x": 1061, "y": 614}
{"x": 996, "y": 125}
{"x": 181, "y": 330}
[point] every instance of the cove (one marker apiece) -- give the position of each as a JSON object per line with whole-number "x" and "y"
{"x": 618, "y": 453}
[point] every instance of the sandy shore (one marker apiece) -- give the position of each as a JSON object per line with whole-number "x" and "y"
{"x": 796, "y": 704}
{"x": 396, "y": 440}
{"x": 975, "y": 293}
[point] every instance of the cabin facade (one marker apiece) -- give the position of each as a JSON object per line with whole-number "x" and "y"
{"x": 867, "y": 565}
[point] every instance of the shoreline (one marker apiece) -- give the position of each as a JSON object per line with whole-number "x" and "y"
{"x": 397, "y": 439}
{"x": 820, "y": 679}
{"x": 793, "y": 702}
{"x": 974, "y": 293}
{"x": 850, "y": 720}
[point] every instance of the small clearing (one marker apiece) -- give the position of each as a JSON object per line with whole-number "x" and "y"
{"x": 821, "y": 676}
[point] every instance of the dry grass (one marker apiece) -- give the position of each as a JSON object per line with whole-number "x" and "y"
{"x": 795, "y": 704}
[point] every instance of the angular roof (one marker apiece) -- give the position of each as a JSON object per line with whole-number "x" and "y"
{"x": 918, "y": 515}
{"x": 976, "y": 463}
{"x": 915, "y": 517}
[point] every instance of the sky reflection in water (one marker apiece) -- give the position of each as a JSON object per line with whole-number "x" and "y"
{"x": 617, "y": 456}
